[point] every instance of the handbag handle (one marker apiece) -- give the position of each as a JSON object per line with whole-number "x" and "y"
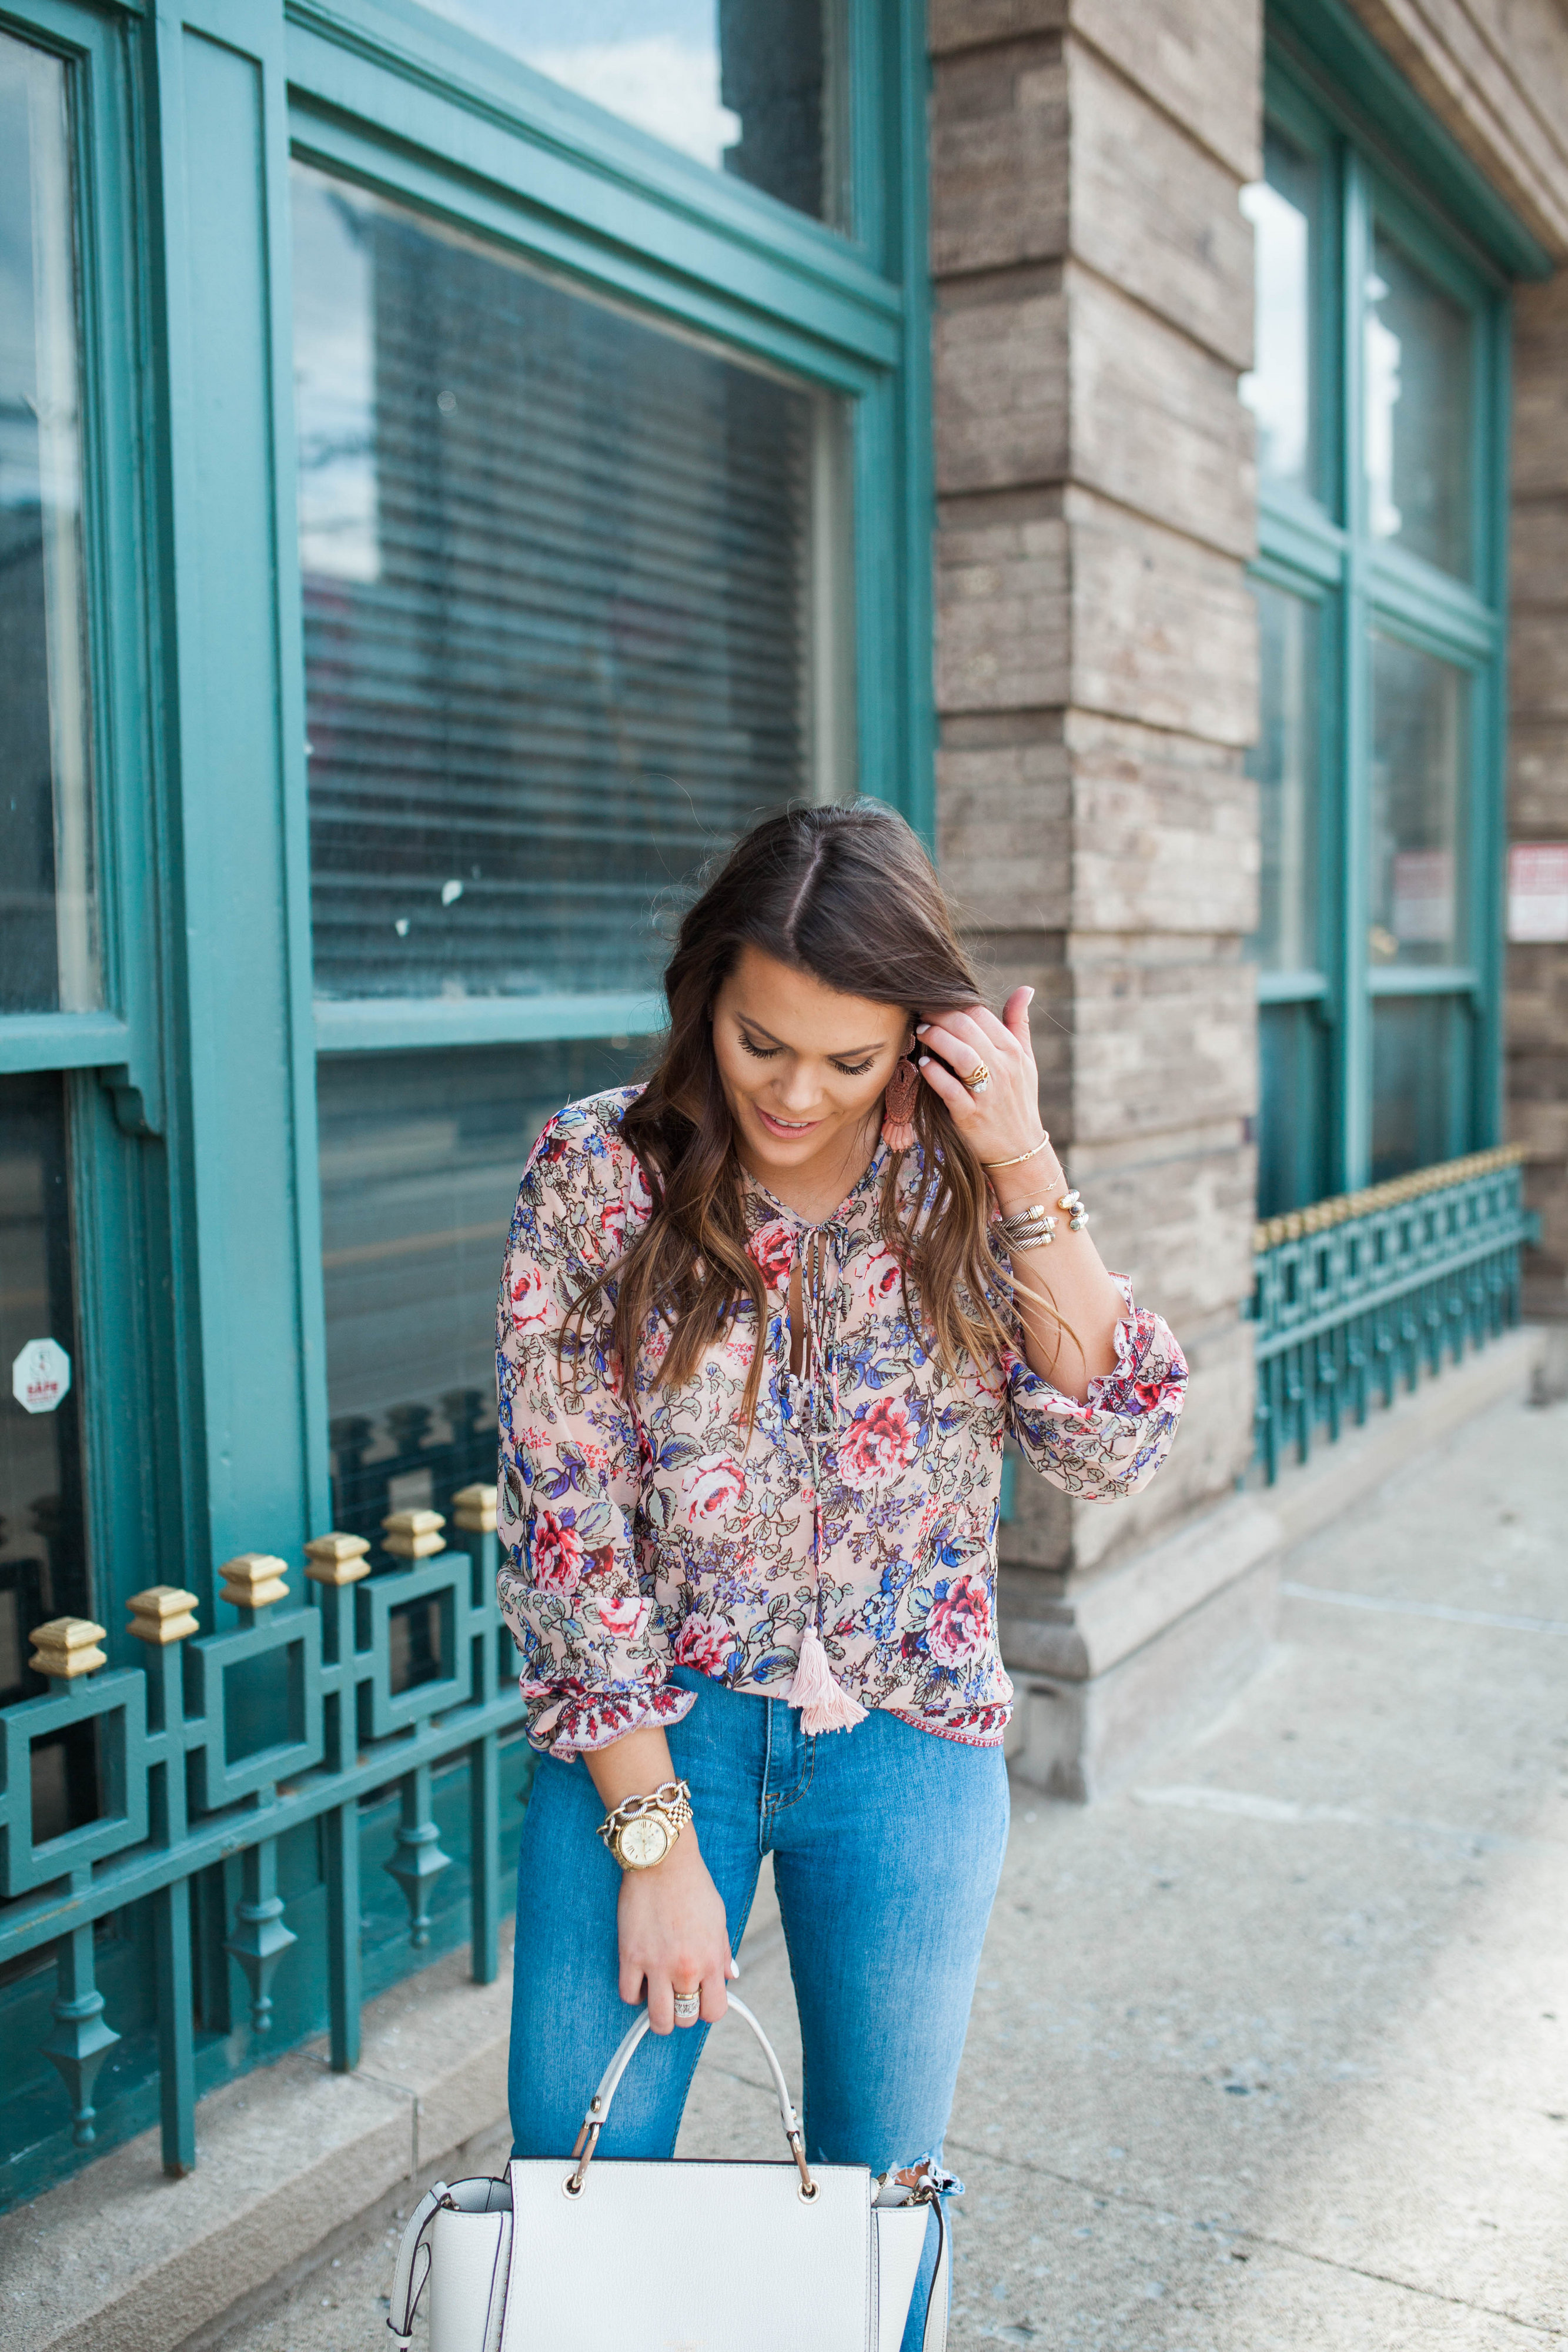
{"x": 598, "y": 2114}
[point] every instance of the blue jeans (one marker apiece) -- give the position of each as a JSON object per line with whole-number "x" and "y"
{"x": 887, "y": 1844}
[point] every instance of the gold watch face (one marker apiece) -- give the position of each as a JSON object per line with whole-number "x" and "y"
{"x": 645, "y": 1840}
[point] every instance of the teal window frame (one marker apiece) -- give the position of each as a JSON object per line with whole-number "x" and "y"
{"x": 111, "y": 1061}
{"x": 1383, "y": 157}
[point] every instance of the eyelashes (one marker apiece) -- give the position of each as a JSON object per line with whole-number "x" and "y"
{"x": 767, "y": 1053}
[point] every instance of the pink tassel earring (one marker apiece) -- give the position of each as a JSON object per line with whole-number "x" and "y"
{"x": 898, "y": 1106}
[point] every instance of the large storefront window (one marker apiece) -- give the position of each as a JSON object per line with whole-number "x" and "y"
{"x": 562, "y": 577}
{"x": 48, "y": 912}
{"x": 1377, "y": 590}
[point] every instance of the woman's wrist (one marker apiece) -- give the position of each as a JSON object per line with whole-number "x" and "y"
{"x": 1039, "y": 1179}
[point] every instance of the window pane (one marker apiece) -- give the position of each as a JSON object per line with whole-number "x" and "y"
{"x": 1285, "y": 763}
{"x": 43, "y": 1556}
{"x": 1419, "y": 344}
{"x": 1293, "y": 1124}
{"x": 421, "y": 1158}
{"x": 1284, "y": 210}
{"x": 48, "y": 918}
{"x": 573, "y": 613}
{"x": 1419, "y": 760}
{"x": 754, "y": 90}
{"x": 1421, "y": 1049}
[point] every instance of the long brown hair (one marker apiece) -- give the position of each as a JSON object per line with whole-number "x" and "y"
{"x": 848, "y": 894}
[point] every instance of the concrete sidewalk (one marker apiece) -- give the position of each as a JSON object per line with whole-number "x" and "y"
{"x": 1271, "y": 2049}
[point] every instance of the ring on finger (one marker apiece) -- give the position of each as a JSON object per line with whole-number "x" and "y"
{"x": 687, "y": 2006}
{"x": 979, "y": 1079}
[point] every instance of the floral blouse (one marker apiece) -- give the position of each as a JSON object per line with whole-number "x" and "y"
{"x": 645, "y": 1531}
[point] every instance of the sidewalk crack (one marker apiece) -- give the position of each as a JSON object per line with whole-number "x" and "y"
{"x": 1115, "y": 2195}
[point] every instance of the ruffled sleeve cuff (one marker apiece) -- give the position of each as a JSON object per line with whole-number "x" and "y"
{"x": 1113, "y": 1441}
{"x": 568, "y": 1719}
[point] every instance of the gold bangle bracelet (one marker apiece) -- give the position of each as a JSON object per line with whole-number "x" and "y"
{"x": 1022, "y": 1156}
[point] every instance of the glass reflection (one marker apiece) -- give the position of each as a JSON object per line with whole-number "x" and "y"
{"x": 756, "y": 91}
{"x": 1419, "y": 354}
{"x": 1284, "y": 761}
{"x": 43, "y": 1552}
{"x": 1292, "y": 1097}
{"x": 1418, "y": 757}
{"x": 574, "y": 610}
{"x": 48, "y": 922}
{"x": 1421, "y": 1081}
{"x": 1282, "y": 208}
{"x": 421, "y": 1158}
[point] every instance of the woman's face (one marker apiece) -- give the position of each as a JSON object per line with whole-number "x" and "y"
{"x": 803, "y": 1067}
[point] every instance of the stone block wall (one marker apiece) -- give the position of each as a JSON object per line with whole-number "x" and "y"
{"x": 1537, "y": 1017}
{"x": 1095, "y": 662}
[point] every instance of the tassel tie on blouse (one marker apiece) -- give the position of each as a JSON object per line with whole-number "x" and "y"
{"x": 823, "y": 1704}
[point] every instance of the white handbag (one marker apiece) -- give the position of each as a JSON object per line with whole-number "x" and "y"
{"x": 566, "y": 2255}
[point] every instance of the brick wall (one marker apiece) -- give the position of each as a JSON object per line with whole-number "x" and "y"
{"x": 1096, "y": 679}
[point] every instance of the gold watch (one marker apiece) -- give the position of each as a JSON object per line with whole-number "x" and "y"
{"x": 640, "y": 1831}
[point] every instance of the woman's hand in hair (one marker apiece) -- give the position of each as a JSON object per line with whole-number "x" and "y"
{"x": 1067, "y": 1305}
{"x": 1003, "y": 1120}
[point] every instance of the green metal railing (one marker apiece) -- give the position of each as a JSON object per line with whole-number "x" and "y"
{"x": 225, "y": 1742}
{"x": 1355, "y": 1296}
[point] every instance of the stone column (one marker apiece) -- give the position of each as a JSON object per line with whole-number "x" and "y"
{"x": 1537, "y": 1013}
{"x": 1096, "y": 668}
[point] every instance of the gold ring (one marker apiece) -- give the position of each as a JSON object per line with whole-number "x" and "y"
{"x": 687, "y": 2006}
{"x": 979, "y": 1079}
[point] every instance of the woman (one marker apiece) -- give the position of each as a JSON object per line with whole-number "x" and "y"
{"x": 764, "y": 1325}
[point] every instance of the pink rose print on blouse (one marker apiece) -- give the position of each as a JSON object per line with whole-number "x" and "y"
{"x": 612, "y": 1225}
{"x": 712, "y": 1489}
{"x": 878, "y": 1443}
{"x": 959, "y": 1625}
{"x": 882, "y": 1282}
{"x": 773, "y": 1247}
{"x": 624, "y": 1616}
{"x": 530, "y": 1300}
{"x": 706, "y": 1645}
{"x": 556, "y": 1553}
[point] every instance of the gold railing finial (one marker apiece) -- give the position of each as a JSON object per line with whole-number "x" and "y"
{"x": 1296, "y": 1224}
{"x": 162, "y": 1614}
{"x": 254, "y": 1579}
{"x": 414, "y": 1535}
{"x": 66, "y": 1647}
{"x": 474, "y": 1510}
{"x": 336, "y": 1559}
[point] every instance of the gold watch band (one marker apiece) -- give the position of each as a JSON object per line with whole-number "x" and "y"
{"x": 629, "y": 1829}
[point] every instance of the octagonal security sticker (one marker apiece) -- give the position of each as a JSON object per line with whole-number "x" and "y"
{"x": 40, "y": 1376}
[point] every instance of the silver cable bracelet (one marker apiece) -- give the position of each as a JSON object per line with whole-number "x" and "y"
{"x": 1028, "y": 1229}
